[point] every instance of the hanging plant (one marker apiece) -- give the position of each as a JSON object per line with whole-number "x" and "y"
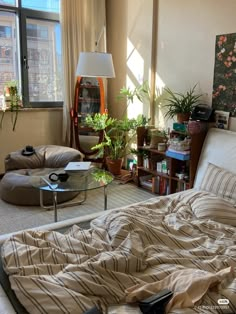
{"x": 11, "y": 101}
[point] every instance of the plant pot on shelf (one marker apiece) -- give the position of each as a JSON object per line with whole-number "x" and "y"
{"x": 183, "y": 117}
{"x": 157, "y": 137}
{"x": 114, "y": 166}
{"x": 155, "y": 140}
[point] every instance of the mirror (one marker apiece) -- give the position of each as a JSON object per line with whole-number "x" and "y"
{"x": 88, "y": 99}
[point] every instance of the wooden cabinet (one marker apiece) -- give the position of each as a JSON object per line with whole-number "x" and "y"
{"x": 166, "y": 175}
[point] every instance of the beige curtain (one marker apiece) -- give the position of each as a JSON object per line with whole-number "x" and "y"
{"x": 83, "y": 24}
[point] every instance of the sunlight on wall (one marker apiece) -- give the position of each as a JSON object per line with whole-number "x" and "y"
{"x": 134, "y": 78}
{"x": 135, "y": 62}
{"x": 135, "y": 71}
{"x": 159, "y": 115}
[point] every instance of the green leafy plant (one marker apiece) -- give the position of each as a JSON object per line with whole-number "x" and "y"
{"x": 129, "y": 94}
{"x": 159, "y": 132}
{"x": 117, "y": 134}
{"x": 142, "y": 120}
{"x": 140, "y": 152}
{"x": 180, "y": 102}
{"x": 12, "y": 102}
{"x": 141, "y": 92}
{"x": 102, "y": 176}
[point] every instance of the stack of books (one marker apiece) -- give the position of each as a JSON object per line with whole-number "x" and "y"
{"x": 160, "y": 185}
{"x": 180, "y": 155}
{"x": 146, "y": 181}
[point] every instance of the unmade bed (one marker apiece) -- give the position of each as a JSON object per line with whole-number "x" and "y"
{"x": 185, "y": 242}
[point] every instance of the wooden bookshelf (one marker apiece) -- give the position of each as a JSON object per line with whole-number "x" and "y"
{"x": 167, "y": 183}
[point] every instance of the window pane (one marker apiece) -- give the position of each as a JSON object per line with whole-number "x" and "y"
{"x": 44, "y": 60}
{"x": 8, "y": 2}
{"x": 8, "y": 49}
{"x": 45, "y": 5}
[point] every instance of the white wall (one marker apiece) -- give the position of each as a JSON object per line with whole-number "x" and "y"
{"x": 186, "y": 36}
{"x": 34, "y": 127}
{"x": 187, "y": 31}
{"x": 129, "y": 31}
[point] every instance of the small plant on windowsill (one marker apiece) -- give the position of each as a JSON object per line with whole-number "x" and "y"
{"x": 11, "y": 101}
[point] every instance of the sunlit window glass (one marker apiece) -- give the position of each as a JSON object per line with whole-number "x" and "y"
{"x": 45, "y": 5}
{"x": 8, "y": 49}
{"x": 44, "y": 60}
{"x": 8, "y": 2}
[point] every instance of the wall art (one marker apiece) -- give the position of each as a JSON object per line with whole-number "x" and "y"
{"x": 224, "y": 84}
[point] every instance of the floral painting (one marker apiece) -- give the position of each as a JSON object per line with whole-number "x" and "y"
{"x": 224, "y": 85}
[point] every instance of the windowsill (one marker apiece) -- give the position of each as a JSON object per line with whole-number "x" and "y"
{"x": 42, "y": 109}
{"x": 36, "y": 109}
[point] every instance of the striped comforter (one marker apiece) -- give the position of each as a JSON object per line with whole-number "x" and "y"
{"x": 135, "y": 246}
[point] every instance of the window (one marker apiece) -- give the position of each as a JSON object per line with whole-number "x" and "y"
{"x": 30, "y": 50}
{"x": 5, "y": 31}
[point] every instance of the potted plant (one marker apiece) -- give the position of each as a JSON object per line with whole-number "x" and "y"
{"x": 117, "y": 136}
{"x": 11, "y": 101}
{"x": 142, "y": 130}
{"x": 158, "y": 136}
{"x": 181, "y": 104}
{"x": 142, "y": 93}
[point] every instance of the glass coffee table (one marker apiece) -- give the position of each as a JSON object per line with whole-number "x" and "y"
{"x": 79, "y": 181}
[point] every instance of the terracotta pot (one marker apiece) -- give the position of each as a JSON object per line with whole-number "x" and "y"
{"x": 114, "y": 166}
{"x": 182, "y": 117}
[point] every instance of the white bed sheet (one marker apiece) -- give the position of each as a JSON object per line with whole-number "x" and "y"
{"x": 142, "y": 244}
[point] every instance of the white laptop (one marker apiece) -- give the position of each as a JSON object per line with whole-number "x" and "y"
{"x": 78, "y": 166}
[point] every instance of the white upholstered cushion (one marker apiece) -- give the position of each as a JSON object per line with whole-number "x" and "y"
{"x": 215, "y": 208}
{"x": 219, "y": 148}
{"x": 219, "y": 182}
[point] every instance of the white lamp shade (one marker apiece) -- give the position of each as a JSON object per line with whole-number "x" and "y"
{"x": 95, "y": 64}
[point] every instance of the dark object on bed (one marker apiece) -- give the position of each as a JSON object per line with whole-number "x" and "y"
{"x": 4, "y": 281}
{"x": 156, "y": 303}
{"x": 93, "y": 310}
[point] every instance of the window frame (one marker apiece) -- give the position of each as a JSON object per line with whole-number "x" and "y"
{"x": 22, "y": 14}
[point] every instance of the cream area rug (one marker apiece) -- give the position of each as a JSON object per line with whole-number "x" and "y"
{"x": 14, "y": 218}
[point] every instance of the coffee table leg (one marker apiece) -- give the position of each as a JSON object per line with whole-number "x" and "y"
{"x": 105, "y": 198}
{"x": 55, "y": 205}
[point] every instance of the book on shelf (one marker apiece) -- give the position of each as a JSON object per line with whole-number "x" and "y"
{"x": 163, "y": 186}
{"x": 155, "y": 184}
{"x": 183, "y": 152}
{"x": 146, "y": 181}
{"x": 146, "y": 163}
{"x": 178, "y": 155}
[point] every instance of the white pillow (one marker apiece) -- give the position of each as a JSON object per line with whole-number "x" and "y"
{"x": 215, "y": 208}
{"x": 219, "y": 182}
